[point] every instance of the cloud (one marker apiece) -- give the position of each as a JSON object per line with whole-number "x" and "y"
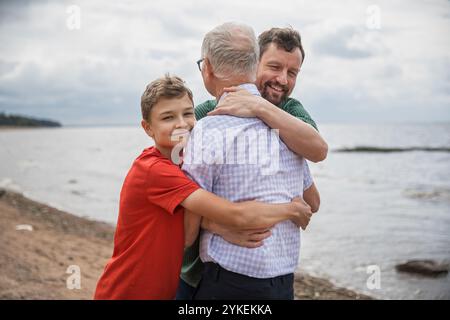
{"x": 96, "y": 75}
{"x": 349, "y": 42}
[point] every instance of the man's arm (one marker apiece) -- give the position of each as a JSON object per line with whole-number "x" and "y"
{"x": 250, "y": 238}
{"x": 299, "y": 136}
{"x": 312, "y": 198}
{"x": 310, "y": 192}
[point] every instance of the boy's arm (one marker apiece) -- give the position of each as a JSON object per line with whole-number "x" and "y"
{"x": 192, "y": 224}
{"x": 252, "y": 238}
{"x": 245, "y": 215}
{"x": 299, "y": 136}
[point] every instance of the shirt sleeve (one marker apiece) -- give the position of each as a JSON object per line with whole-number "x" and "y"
{"x": 168, "y": 185}
{"x": 202, "y": 109}
{"x": 307, "y": 178}
{"x": 295, "y": 108}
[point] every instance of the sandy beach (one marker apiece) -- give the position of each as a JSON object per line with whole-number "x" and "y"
{"x": 36, "y": 263}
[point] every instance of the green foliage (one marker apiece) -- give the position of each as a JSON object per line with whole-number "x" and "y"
{"x": 21, "y": 121}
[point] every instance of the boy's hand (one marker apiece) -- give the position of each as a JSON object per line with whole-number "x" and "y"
{"x": 303, "y": 211}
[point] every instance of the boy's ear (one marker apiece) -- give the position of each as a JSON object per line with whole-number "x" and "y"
{"x": 147, "y": 128}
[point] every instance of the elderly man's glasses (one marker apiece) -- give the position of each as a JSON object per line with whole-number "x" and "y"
{"x": 199, "y": 64}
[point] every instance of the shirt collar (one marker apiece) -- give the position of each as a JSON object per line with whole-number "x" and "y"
{"x": 250, "y": 87}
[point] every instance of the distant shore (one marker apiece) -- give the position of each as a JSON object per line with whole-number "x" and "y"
{"x": 26, "y": 121}
{"x": 36, "y": 264}
{"x": 11, "y": 128}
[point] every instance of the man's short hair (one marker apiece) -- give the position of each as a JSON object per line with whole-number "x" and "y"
{"x": 232, "y": 51}
{"x": 284, "y": 38}
{"x": 165, "y": 87}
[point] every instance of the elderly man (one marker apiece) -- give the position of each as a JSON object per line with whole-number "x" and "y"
{"x": 281, "y": 57}
{"x": 230, "y": 57}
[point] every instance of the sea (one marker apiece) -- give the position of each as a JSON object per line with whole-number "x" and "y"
{"x": 385, "y": 195}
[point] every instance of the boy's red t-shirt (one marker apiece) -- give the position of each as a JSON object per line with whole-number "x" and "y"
{"x": 149, "y": 238}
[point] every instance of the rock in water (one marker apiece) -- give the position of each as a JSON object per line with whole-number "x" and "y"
{"x": 424, "y": 267}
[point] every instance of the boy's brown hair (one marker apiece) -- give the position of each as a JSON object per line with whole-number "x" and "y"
{"x": 284, "y": 38}
{"x": 165, "y": 87}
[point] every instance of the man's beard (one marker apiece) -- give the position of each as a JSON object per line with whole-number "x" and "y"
{"x": 280, "y": 96}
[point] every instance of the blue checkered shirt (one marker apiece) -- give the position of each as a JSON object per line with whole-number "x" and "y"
{"x": 257, "y": 167}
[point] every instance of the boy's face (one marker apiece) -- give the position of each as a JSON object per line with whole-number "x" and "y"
{"x": 170, "y": 120}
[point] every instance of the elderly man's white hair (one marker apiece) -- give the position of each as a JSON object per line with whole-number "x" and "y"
{"x": 232, "y": 50}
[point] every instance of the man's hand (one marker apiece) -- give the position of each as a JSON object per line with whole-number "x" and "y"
{"x": 238, "y": 102}
{"x": 250, "y": 238}
{"x": 304, "y": 212}
{"x": 247, "y": 238}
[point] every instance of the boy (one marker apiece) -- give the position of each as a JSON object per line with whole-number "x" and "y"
{"x": 150, "y": 237}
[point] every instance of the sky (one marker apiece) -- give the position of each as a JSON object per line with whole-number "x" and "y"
{"x": 88, "y": 62}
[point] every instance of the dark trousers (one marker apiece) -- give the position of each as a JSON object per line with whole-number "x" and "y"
{"x": 185, "y": 291}
{"x": 220, "y": 284}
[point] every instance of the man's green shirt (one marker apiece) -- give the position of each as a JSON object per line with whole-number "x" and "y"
{"x": 191, "y": 271}
{"x": 290, "y": 105}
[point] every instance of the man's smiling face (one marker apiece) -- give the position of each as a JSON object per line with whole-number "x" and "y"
{"x": 277, "y": 73}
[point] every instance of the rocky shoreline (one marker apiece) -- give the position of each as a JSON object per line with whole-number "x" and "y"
{"x": 40, "y": 247}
